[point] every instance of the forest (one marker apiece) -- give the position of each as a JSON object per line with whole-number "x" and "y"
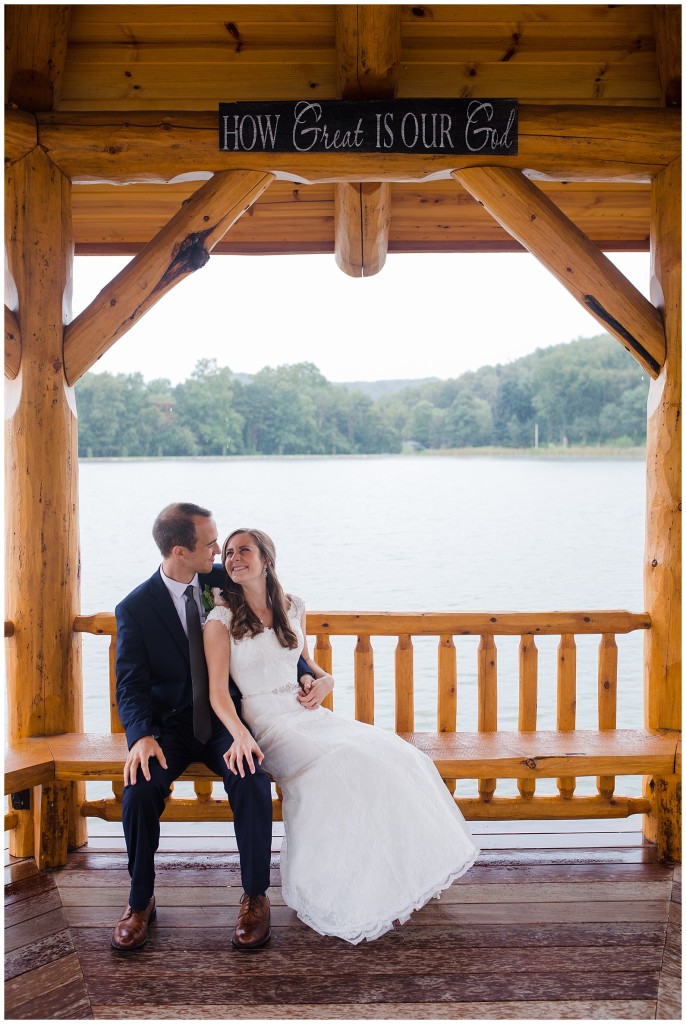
{"x": 586, "y": 392}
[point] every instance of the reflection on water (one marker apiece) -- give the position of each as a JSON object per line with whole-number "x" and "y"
{"x": 393, "y": 533}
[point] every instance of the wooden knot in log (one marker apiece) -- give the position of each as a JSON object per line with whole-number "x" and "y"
{"x": 189, "y": 255}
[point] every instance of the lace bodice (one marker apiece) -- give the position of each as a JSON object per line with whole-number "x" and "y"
{"x": 259, "y": 664}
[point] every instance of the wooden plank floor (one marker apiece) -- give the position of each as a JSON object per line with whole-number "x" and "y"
{"x": 555, "y": 921}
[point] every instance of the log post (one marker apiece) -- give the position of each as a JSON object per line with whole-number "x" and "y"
{"x": 662, "y": 570}
{"x": 368, "y": 52}
{"x": 667, "y": 24}
{"x": 35, "y": 54}
{"x": 41, "y": 513}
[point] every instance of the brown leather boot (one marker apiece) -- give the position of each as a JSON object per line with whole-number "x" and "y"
{"x": 252, "y": 926}
{"x": 131, "y": 931}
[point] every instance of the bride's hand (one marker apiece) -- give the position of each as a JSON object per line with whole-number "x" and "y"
{"x": 314, "y": 693}
{"x": 243, "y": 746}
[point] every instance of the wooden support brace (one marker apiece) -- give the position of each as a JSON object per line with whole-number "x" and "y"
{"x": 368, "y": 51}
{"x": 181, "y": 247}
{"x": 587, "y": 274}
{"x": 12, "y": 344}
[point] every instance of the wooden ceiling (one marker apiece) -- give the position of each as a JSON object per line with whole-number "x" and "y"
{"x": 145, "y": 57}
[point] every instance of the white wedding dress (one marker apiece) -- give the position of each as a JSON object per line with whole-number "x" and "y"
{"x": 371, "y": 831}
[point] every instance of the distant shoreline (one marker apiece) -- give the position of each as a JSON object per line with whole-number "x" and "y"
{"x": 550, "y": 452}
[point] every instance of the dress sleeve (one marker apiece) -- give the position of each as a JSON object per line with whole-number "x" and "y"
{"x": 221, "y": 614}
{"x": 297, "y": 604}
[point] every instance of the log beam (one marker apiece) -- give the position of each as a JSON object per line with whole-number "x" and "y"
{"x": 530, "y": 217}
{"x": 12, "y": 344}
{"x": 36, "y": 50}
{"x": 556, "y": 143}
{"x": 42, "y": 566}
{"x": 667, "y": 22}
{"x": 182, "y": 246}
{"x": 662, "y": 566}
{"x": 21, "y": 134}
{"x": 368, "y": 53}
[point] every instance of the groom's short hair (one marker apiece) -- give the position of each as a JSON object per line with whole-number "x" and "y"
{"x": 175, "y": 525}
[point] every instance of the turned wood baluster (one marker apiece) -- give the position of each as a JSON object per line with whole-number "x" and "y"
{"x": 323, "y": 655}
{"x": 447, "y": 691}
{"x": 364, "y": 680}
{"x": 203, "y": 789}
{"x": 488, "y": 700}
{"x": 566, "y": 700}
{"x": 404, "y": 684}
{"x": 528, "y": 700}
{"x": 607, "y": 701}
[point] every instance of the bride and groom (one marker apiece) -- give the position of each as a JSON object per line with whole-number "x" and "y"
{"x": 371, "y": 832}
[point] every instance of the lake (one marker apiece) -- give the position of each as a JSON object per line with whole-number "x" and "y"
{"x": 398, "y": 533}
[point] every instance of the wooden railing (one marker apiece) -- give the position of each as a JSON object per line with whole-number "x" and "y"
{"x": 446, "y": 628}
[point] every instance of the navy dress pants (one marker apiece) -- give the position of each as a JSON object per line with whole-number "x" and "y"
{"x": 143, "y": 805}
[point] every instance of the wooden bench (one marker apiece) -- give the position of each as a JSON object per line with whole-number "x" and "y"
{"x": 525, "y": 755}
{"x": 77, "y": 757}
{"x": 29, "y": 770}
{"x": 28, "y": 763}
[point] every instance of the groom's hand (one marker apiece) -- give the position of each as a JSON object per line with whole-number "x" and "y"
{"x": 312, "y": 694}
{"x": 139, "y": 755}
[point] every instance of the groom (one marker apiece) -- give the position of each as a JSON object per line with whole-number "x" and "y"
{"x": 163, "y": 703}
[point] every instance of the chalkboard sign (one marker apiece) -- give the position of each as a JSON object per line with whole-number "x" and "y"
{"x": 439, "y": 127}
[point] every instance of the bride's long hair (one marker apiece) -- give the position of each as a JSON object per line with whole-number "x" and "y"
{"x": 244, "y": 622}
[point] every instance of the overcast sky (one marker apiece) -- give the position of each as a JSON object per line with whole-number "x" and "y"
{"x": 422, "y": 316}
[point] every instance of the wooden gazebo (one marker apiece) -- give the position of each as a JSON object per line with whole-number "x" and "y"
{"x": 106, "y": 96}
{"x": 115, "y": 145}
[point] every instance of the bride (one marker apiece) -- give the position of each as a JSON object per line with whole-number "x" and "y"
{"x": 371, "y": 831}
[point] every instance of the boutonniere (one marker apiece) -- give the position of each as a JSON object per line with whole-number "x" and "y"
{"x": 207, "y": 598}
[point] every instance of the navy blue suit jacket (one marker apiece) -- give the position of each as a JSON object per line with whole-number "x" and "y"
{"x": 153, "y": 662}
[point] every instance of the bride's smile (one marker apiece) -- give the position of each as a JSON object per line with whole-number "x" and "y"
{"x": 243, "y": 559}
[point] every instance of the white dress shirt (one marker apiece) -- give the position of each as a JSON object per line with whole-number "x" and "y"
{"x": 177, "y": 591}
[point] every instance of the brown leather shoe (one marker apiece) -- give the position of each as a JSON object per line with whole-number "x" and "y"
{"x": 252, "y": 926}
{"x": 131, "y": 931}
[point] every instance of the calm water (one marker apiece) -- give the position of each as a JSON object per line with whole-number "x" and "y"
{"x": 398, "y": 534}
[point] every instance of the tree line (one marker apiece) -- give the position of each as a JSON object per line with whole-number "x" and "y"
{"x": 586, "y": 392}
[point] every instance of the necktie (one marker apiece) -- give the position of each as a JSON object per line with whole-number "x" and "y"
{"x": 202, "y": 726}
